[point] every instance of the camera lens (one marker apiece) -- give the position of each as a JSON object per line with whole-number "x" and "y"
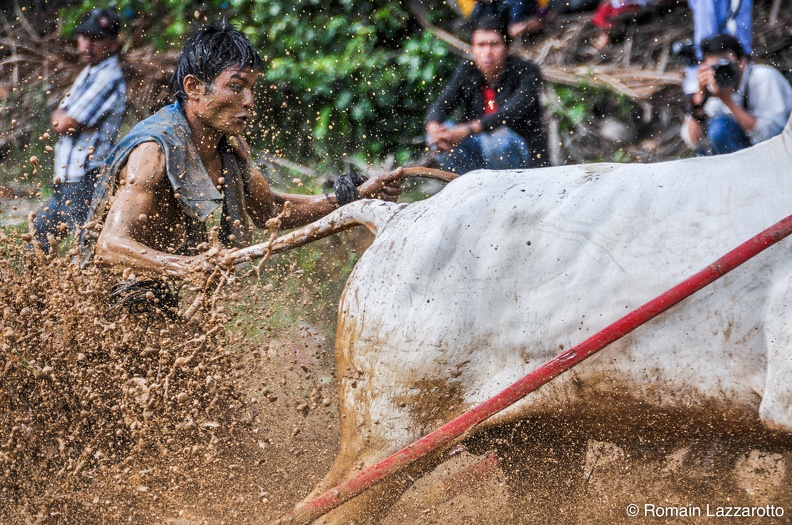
{"x": 725, "y": 73}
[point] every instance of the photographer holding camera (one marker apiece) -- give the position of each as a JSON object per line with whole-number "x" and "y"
{"x": 738, "y": 103}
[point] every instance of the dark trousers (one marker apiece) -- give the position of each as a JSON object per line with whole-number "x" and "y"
{"x": 66, "y": 210}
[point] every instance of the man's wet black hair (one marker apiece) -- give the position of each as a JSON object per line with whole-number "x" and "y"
{"x": 492, "y": 22}
{"x": 210, "y": 51}
{"x": 722, "y": 44}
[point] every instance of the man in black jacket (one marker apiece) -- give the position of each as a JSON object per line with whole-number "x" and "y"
{"x": 497, "y": 98}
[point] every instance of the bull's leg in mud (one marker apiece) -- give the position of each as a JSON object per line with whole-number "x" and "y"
{"x": 360, "y": 448}
{"x": 377, "y": 420}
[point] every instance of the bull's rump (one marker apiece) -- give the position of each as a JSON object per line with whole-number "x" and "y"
{"x": 470, "y": 290}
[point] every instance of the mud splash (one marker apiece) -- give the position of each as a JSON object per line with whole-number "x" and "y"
{"x": 121, "y": 417}
{"x": 82, "y": 393}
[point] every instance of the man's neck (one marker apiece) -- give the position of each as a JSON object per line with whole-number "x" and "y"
{"x": 492, "y": 80}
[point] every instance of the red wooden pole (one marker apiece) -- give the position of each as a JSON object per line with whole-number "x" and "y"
{"x": 348, "y": 489}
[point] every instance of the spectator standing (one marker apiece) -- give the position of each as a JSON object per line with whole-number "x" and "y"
{"x": 738, "y": 103}
{"x": 715, "y": 17}
{"x": 497, "y": 95}
{"x": 87, "y": 119}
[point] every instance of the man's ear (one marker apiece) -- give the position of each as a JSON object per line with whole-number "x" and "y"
{"x": 193, "y": 87}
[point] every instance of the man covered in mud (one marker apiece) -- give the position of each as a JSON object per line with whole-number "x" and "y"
{"x": 187, "y": 167}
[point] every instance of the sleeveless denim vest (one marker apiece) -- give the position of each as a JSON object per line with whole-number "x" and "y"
{"x": 197, "y": 195}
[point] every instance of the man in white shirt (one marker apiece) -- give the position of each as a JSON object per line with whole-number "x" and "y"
{"x": 87, "y": 119}
{"x": 738, "y": 103}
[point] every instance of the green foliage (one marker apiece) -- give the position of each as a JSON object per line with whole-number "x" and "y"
{"x": 306, "y": 284}
{"x": 621, "y": 156}
{"x": 343, "y": 77}
{"x": 569, "y": 108}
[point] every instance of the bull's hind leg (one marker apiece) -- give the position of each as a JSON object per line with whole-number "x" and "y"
{"x": 360, "y": 450}
{"x": 371, "y": 506}
{"x": 776, "y": 408}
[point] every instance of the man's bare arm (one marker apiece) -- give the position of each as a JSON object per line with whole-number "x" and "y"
{"x": 132, "y": 219}
{"x": 265, "y": 203}
{"x": 695, "y": 130}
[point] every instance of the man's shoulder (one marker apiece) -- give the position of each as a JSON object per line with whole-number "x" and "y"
{"x": 518, "y": 71}
{"x": 466, "y": 66}
{"x": 150, "y": 136}
{"x": 763, "y": 78}
{"x": 150, "y": 148}
{"x": 766, "y": 72}
{"x": 146, "y": 163}
{"x": 168, "y": 122}
{"x": 466, "y": 75}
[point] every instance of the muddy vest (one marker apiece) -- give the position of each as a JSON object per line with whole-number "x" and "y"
{"x": 197, "y": 195}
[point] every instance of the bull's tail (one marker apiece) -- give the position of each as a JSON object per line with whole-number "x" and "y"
{"x": 373, "y": 214}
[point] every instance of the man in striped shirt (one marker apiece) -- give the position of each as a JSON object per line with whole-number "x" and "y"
{"x": 88, "y": 120}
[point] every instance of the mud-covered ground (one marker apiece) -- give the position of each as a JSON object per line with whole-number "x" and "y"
{"x": 112, "y": 416}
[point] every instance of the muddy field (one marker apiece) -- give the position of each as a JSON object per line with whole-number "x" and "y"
{"x": 114, "y": 416}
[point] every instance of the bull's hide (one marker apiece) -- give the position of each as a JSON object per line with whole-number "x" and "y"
{"x": 483, "y": 282}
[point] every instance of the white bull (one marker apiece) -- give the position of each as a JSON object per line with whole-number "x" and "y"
{"x": 464, "y": 293}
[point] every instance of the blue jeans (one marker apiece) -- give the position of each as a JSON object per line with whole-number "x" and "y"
{"x": 69, "y": 205}
{"x": 725, "y": 136}
{"x": 501, "y": 149}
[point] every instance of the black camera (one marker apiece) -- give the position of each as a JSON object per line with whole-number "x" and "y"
{"x": 685, "y": 51}
{"x": 726, "y": 73}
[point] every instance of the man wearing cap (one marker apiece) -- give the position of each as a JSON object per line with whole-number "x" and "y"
{"x": 496, "y": 99}
{"x": 87, "y": 119}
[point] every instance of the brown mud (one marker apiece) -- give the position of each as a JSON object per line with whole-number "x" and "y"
{"x": 231, "y": 419}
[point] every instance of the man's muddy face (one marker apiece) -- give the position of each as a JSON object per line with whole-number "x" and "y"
{"x": 227, "y": 103}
